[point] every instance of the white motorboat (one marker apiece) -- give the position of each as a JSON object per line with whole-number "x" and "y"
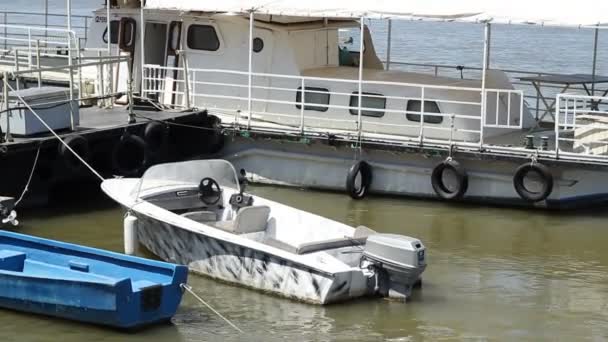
{"x": 196, "y": 213}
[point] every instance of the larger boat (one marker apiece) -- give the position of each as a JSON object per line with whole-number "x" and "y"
{"x": 302, "y": 107}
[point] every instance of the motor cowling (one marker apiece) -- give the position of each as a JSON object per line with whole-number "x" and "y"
{"x": 396, "y": 263}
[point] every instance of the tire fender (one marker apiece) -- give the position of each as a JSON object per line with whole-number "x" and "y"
{"x": 462, "y": 178}
{"x": 546, "y": 177}
{"x": 130, "y": 156}
{"x": 365, "y": 170}
{"x": 80, "y": 145}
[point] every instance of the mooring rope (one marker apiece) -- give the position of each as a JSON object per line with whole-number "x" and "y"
{"x": 55, "y": 134}
{"x": 189, "y": 289}
{"x": 29, "y": 180}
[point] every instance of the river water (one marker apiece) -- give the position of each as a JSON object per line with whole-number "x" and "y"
{"x": 494, "y": 273}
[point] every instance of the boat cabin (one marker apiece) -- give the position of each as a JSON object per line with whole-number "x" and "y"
{"x": 304, "y": 74}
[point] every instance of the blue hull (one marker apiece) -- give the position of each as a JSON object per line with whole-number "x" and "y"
{"x": 85, "y": 284}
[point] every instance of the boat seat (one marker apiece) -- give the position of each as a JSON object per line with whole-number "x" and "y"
{"x": 248, "y": 220}
{"x": 315, "y": 246}
{"x": 359, "y": 238}
{"x": 11, "y": 260}
{"x": 201, "y": 216}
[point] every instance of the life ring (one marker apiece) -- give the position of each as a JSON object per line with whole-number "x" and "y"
{"x": 78, "y": 144}
{"x": 358, "y": 180}
{"x": 130, "y": 156}
{"x": 156, "y": 136}
{"x": 462, "y": 180}
{"x": 545, "y": 179}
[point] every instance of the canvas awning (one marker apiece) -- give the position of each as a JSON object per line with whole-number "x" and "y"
{"x": 541, "y": 12}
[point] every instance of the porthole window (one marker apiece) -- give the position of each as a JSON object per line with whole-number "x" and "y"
{"x": 114, "y": 28}
{"x": 203, "y": 37}
{"x": 314, "y": 99}
{"x": 258, "y": 44}
{"x": 429, "y": 108}
{"x": 372, "y": 104}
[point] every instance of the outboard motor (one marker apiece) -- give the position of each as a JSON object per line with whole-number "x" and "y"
{"x": 7, "y": 214}
{"x": 394, "y": 264}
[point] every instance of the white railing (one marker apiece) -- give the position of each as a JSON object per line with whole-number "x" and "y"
{"x": 101, "y": 94}
{"x": 45, "y": 22}
{"x": 226, "y": 90}
{"x": 582, "y": 126}
{"x": 31, "y": 46}
{"x": 532, "y": 98}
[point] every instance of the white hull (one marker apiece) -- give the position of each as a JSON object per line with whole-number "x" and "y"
{"x": 407, "y": 173}
{"x": 247, "y": 267}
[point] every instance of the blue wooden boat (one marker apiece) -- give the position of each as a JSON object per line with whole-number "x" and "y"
{"x": 86, "y": 284}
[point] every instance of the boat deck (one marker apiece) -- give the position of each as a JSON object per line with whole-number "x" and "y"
{"x": 99, "y": 119}
{"x": 509, "y": 145}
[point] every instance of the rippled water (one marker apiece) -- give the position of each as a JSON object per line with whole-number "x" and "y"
{"x": 493, "y": 274}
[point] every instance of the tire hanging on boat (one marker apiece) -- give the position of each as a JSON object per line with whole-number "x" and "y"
{"x": 78, "y": 144}
{"x": 358, "y": 180}
{"x": 130, "y": 156}
{"x": 545, "y": 179}
{"x": 156, "y": 136}
{"x": 461, "y": 177}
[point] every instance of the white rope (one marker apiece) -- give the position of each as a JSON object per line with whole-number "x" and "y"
{"x": 29, "y": 181}
{"x": 55, "y": 134}
{"x": 189, "y": 289}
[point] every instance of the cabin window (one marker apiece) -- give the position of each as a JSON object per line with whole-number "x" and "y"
{"x": 314, "y": 99}
{"x": 258, "y": 44}
{"x": 203, "y": 37}
{"x": 372, "y": 104}
{"x": 429, "y": 108}
{"x": 114, "y": 28}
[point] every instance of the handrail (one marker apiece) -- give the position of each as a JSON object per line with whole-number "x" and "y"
{"x": 154, "y": 78}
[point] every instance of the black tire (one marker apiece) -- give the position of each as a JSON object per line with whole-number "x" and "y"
{"x": 546, "y": 180}
{"x": 365, "y": 170}
{"x": 462, "y": 180}
{"x": 130, "y": 156}
{"x": 156, "y": 136}
{"x": 80, "y": 145}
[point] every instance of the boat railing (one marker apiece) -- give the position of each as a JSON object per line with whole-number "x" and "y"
{"x": 532, "y": 97}
{"x": 581, "y": 126}
{"x": 43, "y": 22}
{"x": 220, "y": 90}
{"x": 86, "y": 72}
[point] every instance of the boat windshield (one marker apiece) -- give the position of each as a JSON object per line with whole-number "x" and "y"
{"x": 189, "y": 173}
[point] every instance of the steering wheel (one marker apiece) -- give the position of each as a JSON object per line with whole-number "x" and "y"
{"x": 210, "y": 191}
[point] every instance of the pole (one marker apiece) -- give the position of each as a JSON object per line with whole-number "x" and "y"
{"x": 46, "y": 21}
{"x": 69, "y": 9}
{"x": 249, "y": 99}
{"x": 361, "y": 42}
{"x": 388, "y": 44}
{"x": 594, "y": 67}
{"x": 110, "y": 66}
{"x": 8, "y": 138}
{"x": 71, "y": 64}
{"x": 486, "y": 64}
{"x": 488, "y": 49}
{"x": 38, "y": 63}
{"x": 143, "y": 49}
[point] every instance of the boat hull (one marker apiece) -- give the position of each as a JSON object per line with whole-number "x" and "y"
{"x": 247, "y": 267}
{"x": 399, "y": 172}
{"x": 84, "y": 284}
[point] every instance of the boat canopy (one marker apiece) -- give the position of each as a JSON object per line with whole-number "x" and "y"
{"x": 540, "y": 12}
